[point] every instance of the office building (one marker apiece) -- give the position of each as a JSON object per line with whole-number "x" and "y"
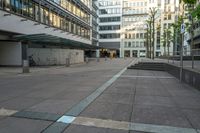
{"x": 48, "y": 31}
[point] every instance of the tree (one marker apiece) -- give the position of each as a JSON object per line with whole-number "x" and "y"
{"x": 196, "y": 12}
{"x": 169, "y": 39}
{"x": 189, "y": 1}
{"x": 153, "y": 12}
{"x": 149, "y": 36}
{"x": 163, "y": 41}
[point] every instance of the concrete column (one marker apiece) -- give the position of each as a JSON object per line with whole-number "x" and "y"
{"x": 25, "y": 68}
{"x": 67, "y": 64}
{"x": 97, "y": 53}
{"x": 131, "y": 53}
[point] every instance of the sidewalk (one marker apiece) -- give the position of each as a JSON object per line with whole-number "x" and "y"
{"x": 98, "y": 98}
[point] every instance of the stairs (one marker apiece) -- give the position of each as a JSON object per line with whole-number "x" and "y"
{"x": 155, "y": 66}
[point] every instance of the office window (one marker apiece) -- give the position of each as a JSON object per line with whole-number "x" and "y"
{"x": 125, "y": 44}
{"x": 109, "y": 36}
{"x": 129, "y": 36}
{"x": 141, "y": 35}
{"x": 137, "y": 36}
{"x": 133, "y": 44}
{"x": 129, "y": 44}
{"x": 109, "y": 27}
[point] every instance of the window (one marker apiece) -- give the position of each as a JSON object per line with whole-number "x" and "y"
{"x": 133, "y": 44}
{"x": 110, "y": 11}
{"x": 110, "y": 19}
{"x": 109, "y": 27}
{"x": 129, "y": 44}
{"x": 43, "y": 14}
{"x": 137, "y": 36}
{"x": 125, "y": 44}
{"x": 109, "y": 36}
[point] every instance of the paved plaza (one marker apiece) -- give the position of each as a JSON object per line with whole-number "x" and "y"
{"x": 98, "y": 97}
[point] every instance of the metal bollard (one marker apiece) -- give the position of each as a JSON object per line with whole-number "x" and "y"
{"x": 86, "y": 60}
{"x": 67, "y": 62}
{"x": 97, "y": 59}
{"x": 25, "y": 66}
{"x": 105, "y": 58}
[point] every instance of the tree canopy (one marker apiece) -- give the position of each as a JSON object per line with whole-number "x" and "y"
{"x": 189, "y": 1}
{"x": 196, "y": 12}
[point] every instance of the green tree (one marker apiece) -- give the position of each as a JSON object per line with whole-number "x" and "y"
{"x": 153, "y": 12}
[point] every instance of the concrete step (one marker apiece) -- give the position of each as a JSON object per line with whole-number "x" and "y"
{"x": 156, "y": 66}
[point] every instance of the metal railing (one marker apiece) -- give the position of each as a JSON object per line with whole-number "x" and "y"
{"x": 188, "y": 58}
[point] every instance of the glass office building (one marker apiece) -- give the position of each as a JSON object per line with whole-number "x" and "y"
{"x": 66, "y": 24}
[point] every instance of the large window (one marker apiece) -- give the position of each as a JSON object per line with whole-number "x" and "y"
{"x": 41, "y": 14}
{"x": 109, "y": 3}
{"x": 110, "y": 27}
{"x": 110, "y": 19}
{"x": 110, "y": 11}
{"x": 109, "y": 36}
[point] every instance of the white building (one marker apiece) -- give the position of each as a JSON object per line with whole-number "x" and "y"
{"x": 135, "y": 14}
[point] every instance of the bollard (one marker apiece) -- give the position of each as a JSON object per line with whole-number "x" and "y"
{"x": 67, "y": 62}
{"x": 86, "y": 60}
{"x": 97, "y": 59}
{"x": 25, "y": 66}
{"x": 106, "y": 58}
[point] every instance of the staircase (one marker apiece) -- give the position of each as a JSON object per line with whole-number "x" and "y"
{"x": 155, "y": 66}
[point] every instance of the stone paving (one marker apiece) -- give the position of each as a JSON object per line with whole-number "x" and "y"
{"x": 99, "y": 97}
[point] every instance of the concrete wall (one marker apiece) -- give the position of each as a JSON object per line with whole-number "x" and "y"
{"x": 10, "y": 53}
{"x": 189, "y": 76}
{"x": 55, "y": 56}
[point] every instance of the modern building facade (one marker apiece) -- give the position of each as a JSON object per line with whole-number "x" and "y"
{"x": 129, "y": 27}
{"x": 169, "y": 17}
{"x": 134, "y": 17}
{"x": 110, "y": 22}
{"x": 49, "y": 31}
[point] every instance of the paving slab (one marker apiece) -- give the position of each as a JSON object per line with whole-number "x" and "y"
{"x": 116, "y": 98}
{"x": 120, "y": 90}
{"x": 120, "y": 112}
{"x": 154, "y": 101}
{"x": 53, "y": 106}
{"x": 19, "y": 125}
{"x": 73, "y": 95}
{"x": 19, "y": 104}
{"x": 194, "y": 117}
{"x": 158, "y": 115}
{"x": 85, "y": 129}
{"x": 187, "y": 102}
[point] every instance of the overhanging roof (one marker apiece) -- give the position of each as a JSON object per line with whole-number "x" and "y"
{"x": 54, "y": 40}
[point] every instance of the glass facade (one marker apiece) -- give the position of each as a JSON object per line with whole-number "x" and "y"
{"x": 110, "y": 11}
{"x": 110, "y": 19}
{"x": 109, "y": 27}
{"x": 109, "y": 3}
{"x": 109, "y": 36}
{"x": 42, "y": 14}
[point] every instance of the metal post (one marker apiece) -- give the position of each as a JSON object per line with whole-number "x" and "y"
{"x": 168, "y": 58}
{"x": 181, "y": 58}
{"x": 97, "y": 59}
{"x": 86, "y": 60}
{"x": 25, "y": 67}
{"x": 192, "y": 59}
{"x": 67, "y": 62}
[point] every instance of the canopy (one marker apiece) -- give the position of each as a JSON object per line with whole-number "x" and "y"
{"x": 54, "y": 40}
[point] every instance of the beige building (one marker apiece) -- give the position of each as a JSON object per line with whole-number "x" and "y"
{"x": 134, "y": 16}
